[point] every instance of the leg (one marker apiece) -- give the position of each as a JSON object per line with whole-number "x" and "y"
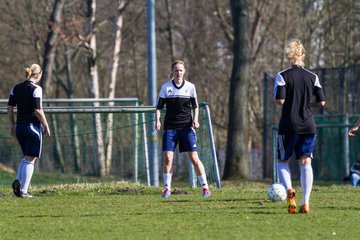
{"x": 199, "y": 167}
{"x": 285, "y": 179}
{"x": 168, "y": 160}
{"x": 303, "y": 152}
{"x": 17, "y": 183}
{"x": 355, "y": 178}
{"x": 167, "y": 173}
{"x": 26, "y": 174}
{"x": 306, "y": 180}
{"x": 200, "y": 172}
{"x": 167, "y": 169}
{"x": 18, "y": 174}
{"x": 284, "y": 174}
{"x": 286, "y": 146}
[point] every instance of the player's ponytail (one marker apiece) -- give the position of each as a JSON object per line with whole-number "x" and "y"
{"x": 295, "y": 49}
{"x": 34, "y": 69}
{"x": 28, "y": 73}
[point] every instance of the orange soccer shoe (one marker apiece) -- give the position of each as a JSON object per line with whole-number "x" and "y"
{"x": 291, "y": 201}
{"x": 305, "y": 208}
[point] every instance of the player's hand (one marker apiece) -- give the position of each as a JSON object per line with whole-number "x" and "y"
{"x": 157, "y": 125}
{"x": 196, "y": 124}
{"x": 13, "y": 130}
{"x": 47, "y": 131}
{"x": 352, "y": 131}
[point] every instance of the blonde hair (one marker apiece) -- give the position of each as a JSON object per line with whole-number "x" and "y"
{"x": 295, "y": 49}
{"x": 31, "y": 71}
{"x": 173, "y": 65}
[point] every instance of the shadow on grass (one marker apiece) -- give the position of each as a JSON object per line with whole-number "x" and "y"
{"x": 337, "y": 208}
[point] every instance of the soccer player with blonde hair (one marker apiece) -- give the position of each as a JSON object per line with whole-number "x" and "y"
{"x": 293, "y": 90}
{"x": 29, "y": 127}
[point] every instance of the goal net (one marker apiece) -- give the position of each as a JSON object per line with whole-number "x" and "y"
{"x": 110, "y": 138}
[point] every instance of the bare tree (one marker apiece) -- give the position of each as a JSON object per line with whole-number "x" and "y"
{"x": 50, "y": 43}
{"x": 99, "y": 162}
{"x": 113, "y": 77}
{"x": 200, "y": 32}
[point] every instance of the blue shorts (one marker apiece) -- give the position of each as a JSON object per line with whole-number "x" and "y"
{"x": 29, "y": 136}
{"x": 302, "y": 144}
{"x": 186, "y": 138}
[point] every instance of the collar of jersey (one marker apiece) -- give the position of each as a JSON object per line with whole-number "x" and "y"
{"x": 296, "y": 66}
{"x": 173, "y": 82}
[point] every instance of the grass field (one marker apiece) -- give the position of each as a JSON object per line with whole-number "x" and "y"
{"x": 122, "y": 210}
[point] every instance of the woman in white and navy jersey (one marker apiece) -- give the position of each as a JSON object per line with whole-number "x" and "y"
{"x": 179, "y": 96}
{"x": 29, "y": 127}
{"x": 294, "y": 88}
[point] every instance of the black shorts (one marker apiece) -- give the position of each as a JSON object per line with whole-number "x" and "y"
{"x": 29, "y": 136}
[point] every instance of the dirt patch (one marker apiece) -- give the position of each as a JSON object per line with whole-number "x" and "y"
{"x": 177, "y": 191}
{"x": 4, "y": 168}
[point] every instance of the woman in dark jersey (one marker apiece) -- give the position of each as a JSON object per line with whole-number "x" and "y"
{"x": 293, "y": 89}
{"x": 179, "y": 97}
{"x": 29, "y": 127}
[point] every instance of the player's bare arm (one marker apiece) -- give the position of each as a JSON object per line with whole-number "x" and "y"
{"x": 10, "y": 111}
{"x": 354, "y": 129}
{"x": 157, "y": 119}
{"x": 196, "y": 118}
{"x": 280, "y": 101}
{"x": 41, "y": 116}
{"x": 318, "y": 104}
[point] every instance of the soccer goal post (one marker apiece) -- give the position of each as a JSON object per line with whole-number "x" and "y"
{"x": 107, "y": 140}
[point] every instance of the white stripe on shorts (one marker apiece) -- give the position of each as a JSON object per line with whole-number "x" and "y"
{"x": 281, "y": 146}
{"x": 39, "y": 135}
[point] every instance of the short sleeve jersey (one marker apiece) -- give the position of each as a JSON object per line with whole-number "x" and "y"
{"x": 178, "y": 101}
{"x": 297, "y": 86}
{"x": 27, "y": 96}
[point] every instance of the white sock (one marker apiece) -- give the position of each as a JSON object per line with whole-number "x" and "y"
{"x": 167, "y": 180}
{"x": 203, "y": 182}
{"x": 284, "y": 175}
{"x": 18, "y": 174}
{"x": 26, "y": 175}
{"x": 306, "y": 180}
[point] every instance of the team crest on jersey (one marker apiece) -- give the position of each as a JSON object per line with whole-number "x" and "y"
{"x": 169, "y": 90}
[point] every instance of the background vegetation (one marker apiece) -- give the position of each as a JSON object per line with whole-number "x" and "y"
{"x": 200, "y": 32}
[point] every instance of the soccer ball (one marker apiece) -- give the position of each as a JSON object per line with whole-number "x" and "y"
{"x": 277, "y": 192}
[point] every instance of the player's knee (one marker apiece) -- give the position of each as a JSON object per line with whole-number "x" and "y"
{"x": 305, "y": 160}
{"x": 168, "y": 160}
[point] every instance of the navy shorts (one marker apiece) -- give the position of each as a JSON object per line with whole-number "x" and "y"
{"x": 29, "y": 135}
{"x": 302, "y": 144}
{"x": 186, "y": 138}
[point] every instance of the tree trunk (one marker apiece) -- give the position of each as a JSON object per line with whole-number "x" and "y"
{"x": 73, "y": 124}
{"x": 112, "y": 85}
{"x": 99, "y": 161}
{"x": 170, "y": 29}
{"x": 49, "y": 55}
{"x": 236, "y": 165}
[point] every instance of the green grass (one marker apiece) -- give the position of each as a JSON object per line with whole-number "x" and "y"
{"x": 121, "y": 210}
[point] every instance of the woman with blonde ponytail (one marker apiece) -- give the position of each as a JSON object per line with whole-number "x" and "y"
{"x": 29, "y": 127}
{"x": 293, "y": 89}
